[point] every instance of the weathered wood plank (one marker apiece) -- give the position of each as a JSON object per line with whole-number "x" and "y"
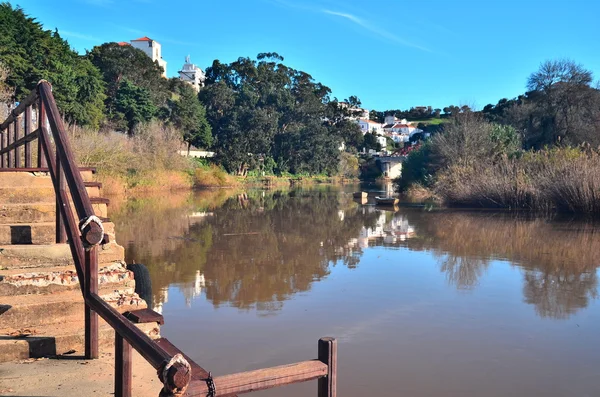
{"x": 123, "y": 367}
{"x": 328, "y": 355}
{"x": 19, "y": 109}
{"x": 20, "y": 142}
{"x": 261, "y": 379}
{"x": 144, "y": 316}
{"x": 91, "y": 317}
{"x": 17, "y": 133}
{"x": 28, "y": 132}
{"x": 198, "y": 372}
{"x": 92, "y": 233}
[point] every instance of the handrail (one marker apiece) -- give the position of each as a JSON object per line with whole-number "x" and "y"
{"x": 84, "y": 232}
{"x": 92, "y": 233}
{"x": 30, "y": 100}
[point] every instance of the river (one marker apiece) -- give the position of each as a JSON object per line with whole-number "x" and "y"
{"x": 423, "y": 302}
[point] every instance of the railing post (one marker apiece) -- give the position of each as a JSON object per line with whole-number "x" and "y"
{"x": 328, "y": 355}
{"x": 9, "y": 137}
{"x": 27, "y": 132}
{"x": 2, "y": 146}
{"x": 17, "y": 130}
{"x": 123, "y": 366}
{"x": 91, "y": 317}
{"x": 61, "y": 234}
{"x": 41, "y": 162}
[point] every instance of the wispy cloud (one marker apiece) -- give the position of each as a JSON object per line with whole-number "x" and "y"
{"x": 77, "y": 35}
{"x": 359, "y": 21}
{"x": 374, "y": 29}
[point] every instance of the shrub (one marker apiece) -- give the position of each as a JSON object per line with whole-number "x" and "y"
{"x": 213, "y": 176}
{"x": 416, "y": 169}
{"x": 137, "y": 159}
{"x": 348, "y": 166}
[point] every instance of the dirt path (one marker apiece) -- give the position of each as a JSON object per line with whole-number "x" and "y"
{"x": 74, "y": 377}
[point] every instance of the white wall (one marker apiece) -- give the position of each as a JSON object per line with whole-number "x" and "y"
{"x": 153, "y": 49}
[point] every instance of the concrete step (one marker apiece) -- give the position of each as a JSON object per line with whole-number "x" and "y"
{"x": 39, "y": 212}
{"x": 31, "y": 311}
{"x": 35, "y": 194}
{"x": 37, "y": 256}
{"x": 23, "y": 179}
{"x": 35, "y": 233}
{"x": 50, "y": 280}
{"x": 59, "y": 339}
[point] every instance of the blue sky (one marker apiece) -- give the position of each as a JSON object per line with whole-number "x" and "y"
{"x": 390, "y": 53}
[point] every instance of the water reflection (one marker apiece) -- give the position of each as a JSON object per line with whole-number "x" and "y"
{"x": 557, "y": 258}
{"x": 254, "y": 250}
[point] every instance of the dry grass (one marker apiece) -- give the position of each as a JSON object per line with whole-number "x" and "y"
{"x": 147, "y": 161}
{"x": 565, "y": 179}
{"x": 213, "y": 176}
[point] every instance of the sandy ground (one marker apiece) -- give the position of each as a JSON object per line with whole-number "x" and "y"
{"x": 74, "y": 377}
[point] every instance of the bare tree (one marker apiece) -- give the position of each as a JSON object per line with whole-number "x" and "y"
{"x": 566, "y": 108}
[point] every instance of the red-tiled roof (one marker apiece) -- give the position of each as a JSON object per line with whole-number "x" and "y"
{"x": 372, "y": 122}
{"x": 122, "y": 43}
{"x": 145, "y": 38}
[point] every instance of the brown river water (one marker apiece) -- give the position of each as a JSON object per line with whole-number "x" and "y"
{"x": 423, "y": 302}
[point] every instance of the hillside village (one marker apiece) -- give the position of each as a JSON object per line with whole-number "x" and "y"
{"x": 398, "y": 130}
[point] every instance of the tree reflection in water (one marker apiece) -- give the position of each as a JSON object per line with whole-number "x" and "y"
{"x": 254, "y": 250}
{"x": 557, "y": 257}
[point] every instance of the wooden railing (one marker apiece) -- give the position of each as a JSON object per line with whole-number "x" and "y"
{"x": 84, "y": 232}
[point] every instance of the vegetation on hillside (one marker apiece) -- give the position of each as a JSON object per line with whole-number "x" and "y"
{"x": 535, "y": 152}
{"x": 257, "y": 115}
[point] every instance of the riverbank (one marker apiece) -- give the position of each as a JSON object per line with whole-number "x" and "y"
{"x": 479, "y": 164}
{"x": 147, "y": 162}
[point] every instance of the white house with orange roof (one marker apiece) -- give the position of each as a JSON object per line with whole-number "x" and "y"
{"x": 152, "y": 49}
{"x": 370, "y": 126}
{"x": 400, "y": 131}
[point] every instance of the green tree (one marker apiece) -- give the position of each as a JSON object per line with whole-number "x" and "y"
{"x": 263, "y": 109}
{"x": 32, "y": 53}
{"x": 133, "y": 105}
{"x": 123, "y": 62}
{"x": 371, "y": 142}
{"x": 189, "y": 115}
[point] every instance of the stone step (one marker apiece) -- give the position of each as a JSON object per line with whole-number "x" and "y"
{"x": 35, "y": 233}
{"x": 38, "y": 256}
{"x": 9, "y": 178}
{"x": 31, "y": 311}
{"x": 59, "y": 339}
{"x": 39, "y": 212}
{"x": 35, "y": 194}
{"x": 50, "y": 280}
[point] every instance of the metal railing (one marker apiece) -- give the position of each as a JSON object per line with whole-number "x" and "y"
{"x": 84, "y": 232}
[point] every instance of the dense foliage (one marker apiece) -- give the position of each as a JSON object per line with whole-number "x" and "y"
{"x": 260, "y": 115}
{"x": 31, "y": 54}
{"x": 562, "y": 107}
{"x": 264, "y": 112}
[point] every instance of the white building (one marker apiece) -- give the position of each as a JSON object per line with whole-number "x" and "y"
{"x": 370, "y": 126}
{"x": 400, "y": 130}
{"x": 192, "y": 74}
{"x": 152, "y": 49}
